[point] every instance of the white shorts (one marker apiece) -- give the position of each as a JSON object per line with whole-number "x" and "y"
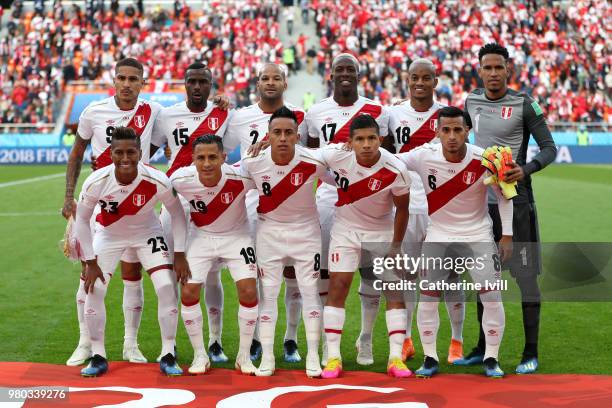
{"x": 416, "y": 232}
{"x": 479, "y": 259}
{"x": 298, "y": 245}
{"x": 151, "y": 250}
{"x": 327, "y": 212}
{"x": 345, "y": 248}
{"x": 205, "y": 252}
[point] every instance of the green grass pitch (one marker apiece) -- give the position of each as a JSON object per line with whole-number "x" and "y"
{"x": 38, "y": 285}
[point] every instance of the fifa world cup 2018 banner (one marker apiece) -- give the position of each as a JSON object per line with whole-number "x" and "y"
{"x": 59, "y": 155}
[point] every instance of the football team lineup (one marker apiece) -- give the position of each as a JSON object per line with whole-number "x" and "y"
{"x": 259, "y": 222}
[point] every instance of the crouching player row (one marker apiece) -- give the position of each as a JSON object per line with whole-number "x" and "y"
{"x": 127, "y": 192}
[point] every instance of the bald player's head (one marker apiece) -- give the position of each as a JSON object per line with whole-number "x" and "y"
{"x": 422, "y": 63}
{"x": 422, "y": 81}
{"x": 345, "y": 57}
{"x": 271, "y": 82}
{"x": 270, "y": 67}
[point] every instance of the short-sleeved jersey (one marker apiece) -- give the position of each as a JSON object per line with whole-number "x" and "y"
{"x": 249, "y": 125}
{"x": 330, "y": 122}
{"x": 100, "y": 118}
{"x": 127, "y": 210}
{"x": 456, "y": 193}
{"x": 285, "y": 192}
{"x": 365, "y": 194}
{"x": 179, "y": 127}
{"x": 216, "y": 210}
{"x": 410, "y": 128}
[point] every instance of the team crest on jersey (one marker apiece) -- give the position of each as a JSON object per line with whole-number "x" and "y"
{"x": 139, "y": 121}
{"x": 109, "y": 197}
{"x": 506, "y": 112}
{"x": 227, "y": 198}
{"x": 253, "y": 125}
{"x": 433, "y": 124}
{"x": 179, "y": 124}
{"x": 213, "y": 123}
{"x": 265, "y": 178}
{"x": 374, "y": 184}
{"x": 110, "y": 122}
{"x": 297, "y": 179}
{"x": 328, "y": 119}
{"x": 469, "y": 177}
{"x": 139, "y": 200}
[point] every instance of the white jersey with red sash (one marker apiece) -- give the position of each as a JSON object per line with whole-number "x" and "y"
{"x": 330, "y": 122}
{"x": 218, "y": 210}
{"x": 410, "y": 128}
{"x": 100, "y": 118}
{"x": 365, "y": 201}
{"x": 127, "y": 210}
{"x": 456, "y": 193}
{"x": 285, "y": 192}
{"x": 249, "y": 125}
{"x": 177, "y": 126}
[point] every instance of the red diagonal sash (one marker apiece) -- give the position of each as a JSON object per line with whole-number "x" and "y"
{"x": 184, "y": 156}
{"x": 139, "y": 197}
{"x": 217, "y": 206}
{"x": 143, "y": 113}
{"x": 424, "y": 134}
{"x": 366, "y": 187}
{"x": 286, "y": 187}
{"x": 342, "y": 135}
{"x": 439, "y": 197}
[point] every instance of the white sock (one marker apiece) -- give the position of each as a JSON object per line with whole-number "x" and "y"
{"x": 193, "y": 319}
{"x": 293, "y": 308}
{"x": 247, "y": 320}
{"x": 455, "y": 307}
{"x": 410, "y": 303}
{"x": 428, "y": 322}
{"x": 213, "y": 296}
{"x": 167, "y": 310}
{"x": 268, "y": 314}
{"x": 95, "y": 316}
{"x": 333, "y": 319}
{"x": 312, "y": 313}
{"x": 396, "y": 324}
{"x": 370, "y": 302}
{"x": 260, "y": 297}
{"x": 493, "y": 322}
{"x": 80, "y": 303}
{"x": 133, "y": 300}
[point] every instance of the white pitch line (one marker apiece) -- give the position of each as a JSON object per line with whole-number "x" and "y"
{"x": 31, "y": 180}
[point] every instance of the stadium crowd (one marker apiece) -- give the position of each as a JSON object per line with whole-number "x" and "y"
{"x": 48, "y": 47}
{"x": 561, "y": 55}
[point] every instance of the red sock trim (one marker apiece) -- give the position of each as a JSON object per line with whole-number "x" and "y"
{"x": 190, "y": 303}
{"x": 334, "y": 331}
{"x": 132, "y": 279}
{"x": 158, "y": 268}
{"x": 481, "y": 291}
{"x": 323, "y": 293}
{"x": 248, "y": 305}
{"x": 391, "y": 333}
{"x": 432, "y": 293}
